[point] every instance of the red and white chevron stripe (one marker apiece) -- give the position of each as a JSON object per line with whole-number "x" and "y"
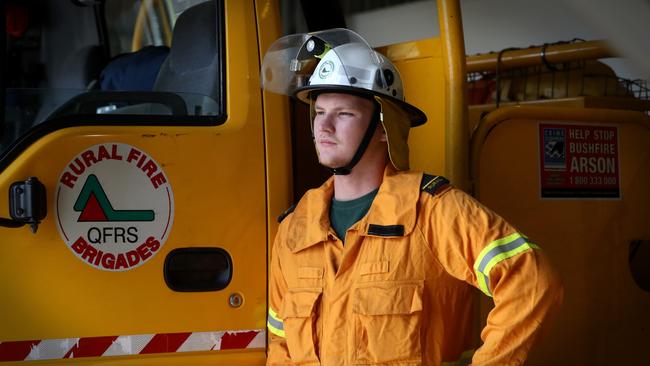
{"x": 53, "y": 349}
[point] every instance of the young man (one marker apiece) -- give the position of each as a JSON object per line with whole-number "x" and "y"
{"x": 377, "y": 265}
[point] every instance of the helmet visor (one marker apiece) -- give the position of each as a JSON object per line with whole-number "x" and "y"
{"x": 291, "y": 60}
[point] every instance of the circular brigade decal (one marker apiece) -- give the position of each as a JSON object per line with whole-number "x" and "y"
{"x": 114, "y": 206}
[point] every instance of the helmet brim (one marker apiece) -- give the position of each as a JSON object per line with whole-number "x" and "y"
{"x": 416, "y": 116}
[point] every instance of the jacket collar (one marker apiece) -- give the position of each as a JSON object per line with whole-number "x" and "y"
{"x": 393, "y": 207}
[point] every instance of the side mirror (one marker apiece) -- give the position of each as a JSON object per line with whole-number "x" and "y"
{"x": 28, "y": 202}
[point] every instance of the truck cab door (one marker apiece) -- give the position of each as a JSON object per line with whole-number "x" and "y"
{"x": 152, "y": 249}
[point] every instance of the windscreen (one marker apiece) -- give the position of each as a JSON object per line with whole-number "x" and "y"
{"x": 63, "y": 62}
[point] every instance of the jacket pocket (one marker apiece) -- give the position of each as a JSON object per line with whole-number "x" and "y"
{"x": 298, "y": 313}
{"x": 374, "y": 268}
{"x": 387, "y": 319}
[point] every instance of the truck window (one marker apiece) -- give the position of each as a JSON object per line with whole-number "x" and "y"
{"x": 133, "y": 25}
{"x": 112, "y": 62}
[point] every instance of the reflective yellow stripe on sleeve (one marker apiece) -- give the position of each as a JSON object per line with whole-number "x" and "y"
{"x": 496, "y": 252}
{"x": 275, "y": 324}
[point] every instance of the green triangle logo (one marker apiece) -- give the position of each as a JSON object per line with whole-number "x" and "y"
{"x": 95, "y": 206}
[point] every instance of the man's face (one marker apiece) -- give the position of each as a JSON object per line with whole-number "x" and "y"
{"x": 339, "y": 125}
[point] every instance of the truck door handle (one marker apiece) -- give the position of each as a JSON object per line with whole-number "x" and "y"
{"x": 198, "y": 269}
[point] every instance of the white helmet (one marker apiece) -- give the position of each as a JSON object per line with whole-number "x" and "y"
{"x": 339, "y": 60}
{"x": 353, "y": 65}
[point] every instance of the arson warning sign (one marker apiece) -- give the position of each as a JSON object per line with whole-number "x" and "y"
{"x": 579, "y": 161}
{"x": 114, "y": 206}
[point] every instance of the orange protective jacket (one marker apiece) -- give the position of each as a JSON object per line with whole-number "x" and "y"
{"x": 397, "y": 292}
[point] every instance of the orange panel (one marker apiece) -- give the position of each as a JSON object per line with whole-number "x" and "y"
{"x": 605, "y": 317}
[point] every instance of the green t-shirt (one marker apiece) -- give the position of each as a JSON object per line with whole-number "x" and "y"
{"x": 344, "y": 214}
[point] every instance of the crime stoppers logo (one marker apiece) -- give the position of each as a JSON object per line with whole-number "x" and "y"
{"x": 114, "y": 206}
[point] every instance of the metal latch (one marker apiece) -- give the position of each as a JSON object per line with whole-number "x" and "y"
{"x": 27, "y": 203}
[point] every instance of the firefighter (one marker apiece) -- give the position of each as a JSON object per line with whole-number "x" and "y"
{"x": 377, "y": 265}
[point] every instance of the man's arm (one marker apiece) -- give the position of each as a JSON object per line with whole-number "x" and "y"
{"x": 526, "y": 291}
{"x": 479, "y": 247}
{"x": 277, "y": 353}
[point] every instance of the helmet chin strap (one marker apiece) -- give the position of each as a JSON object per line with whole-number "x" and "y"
{"x": 363, "y": 145}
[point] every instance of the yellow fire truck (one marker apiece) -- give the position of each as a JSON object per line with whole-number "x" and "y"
{"x": 143, "y": 170}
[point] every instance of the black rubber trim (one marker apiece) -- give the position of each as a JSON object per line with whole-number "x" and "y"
{"x": 388, "y": 230}
{"x": 49, "y": 126}
{"x": 221, "y": 37}
{"x": 639, "y": 256}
